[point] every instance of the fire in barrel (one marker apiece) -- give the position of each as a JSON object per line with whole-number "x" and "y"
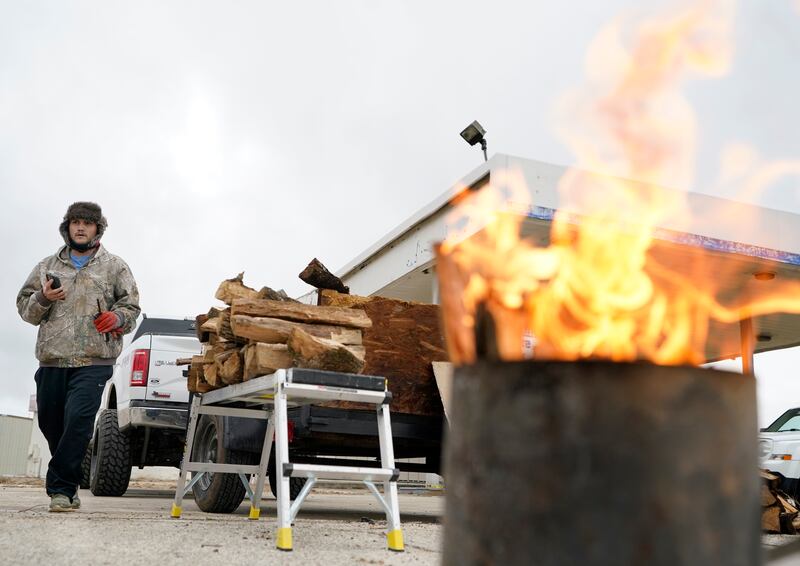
{"x": 582, "y": 429}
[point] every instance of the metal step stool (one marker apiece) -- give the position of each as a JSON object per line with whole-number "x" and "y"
{"x": 268, "y": 397}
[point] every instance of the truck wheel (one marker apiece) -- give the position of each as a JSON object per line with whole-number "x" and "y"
{"x": 86, "y": 468}
{"x": 110, "y": 468}
{"x": 217, "y": 493}
{"x": 295, "y": 484}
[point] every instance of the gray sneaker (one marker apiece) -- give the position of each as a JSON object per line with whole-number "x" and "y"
{"x": 60, "y": 503}
{"x": 76, "y": 501}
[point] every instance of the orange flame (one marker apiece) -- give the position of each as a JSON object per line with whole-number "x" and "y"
{"x": 602, "y": 288}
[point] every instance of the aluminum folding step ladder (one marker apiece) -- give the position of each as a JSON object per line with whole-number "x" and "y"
{"x": 268, "y": 397}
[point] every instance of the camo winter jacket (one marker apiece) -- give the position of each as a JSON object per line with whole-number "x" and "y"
{"x": 67, "y": 336}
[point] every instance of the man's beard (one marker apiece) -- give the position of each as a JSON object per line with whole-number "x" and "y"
{"x": 80, "y": 247}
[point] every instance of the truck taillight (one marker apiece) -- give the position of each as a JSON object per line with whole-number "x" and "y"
{"x": 141, "y": 362}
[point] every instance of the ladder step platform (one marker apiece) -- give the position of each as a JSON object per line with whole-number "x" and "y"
{"x": 223, "y": 468}
{"x": 340, "y": 472}
{"x": 268, "y": 397}
{"x": 336, "y": 379}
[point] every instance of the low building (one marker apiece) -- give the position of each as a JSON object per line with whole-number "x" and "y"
{"x": 15, "y": 436}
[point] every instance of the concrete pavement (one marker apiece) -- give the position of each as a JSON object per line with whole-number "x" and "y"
{"x": 334, "y": 526}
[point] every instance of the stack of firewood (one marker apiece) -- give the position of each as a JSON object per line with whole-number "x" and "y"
{"x": 262, "y": 331}
{"x": 778, "y": 510}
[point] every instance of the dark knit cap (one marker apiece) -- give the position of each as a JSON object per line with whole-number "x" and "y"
{"x": 89, "y": 211}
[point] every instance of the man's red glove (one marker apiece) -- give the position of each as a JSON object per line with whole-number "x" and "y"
{"x": 106, "y": 322}
{"x": 117, "y": 333}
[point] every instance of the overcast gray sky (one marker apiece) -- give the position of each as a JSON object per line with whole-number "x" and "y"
{"x": 221, "y": 137}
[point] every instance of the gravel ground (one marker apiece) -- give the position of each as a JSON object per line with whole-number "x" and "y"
{"x": 335, "y": 526}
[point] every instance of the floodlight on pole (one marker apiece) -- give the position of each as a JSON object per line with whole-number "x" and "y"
{"x": 473, "y": 134}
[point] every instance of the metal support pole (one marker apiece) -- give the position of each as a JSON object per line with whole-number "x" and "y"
{"x": 748, "y": 345}
{"x": 394, "y": 536}
{"x": 255, "y": 503}
{"x": 284, "y": 534}
{"x": 180, "y": 490}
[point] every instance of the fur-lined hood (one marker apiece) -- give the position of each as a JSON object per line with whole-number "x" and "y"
{"x": 89, "y": 211}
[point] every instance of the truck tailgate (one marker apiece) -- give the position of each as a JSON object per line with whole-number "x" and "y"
{"x": 165, "y": 380}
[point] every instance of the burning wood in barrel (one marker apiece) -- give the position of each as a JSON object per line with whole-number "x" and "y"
{"x": 610, "y": 445}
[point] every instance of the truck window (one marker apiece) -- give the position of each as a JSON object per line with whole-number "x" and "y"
{"x": 787, "y": 421}
{"x": 165, "y": 327}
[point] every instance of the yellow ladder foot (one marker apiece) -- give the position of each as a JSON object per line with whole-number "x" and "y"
{"x": 395, "y": 540}
{"x": 284, "y": 538}
{"x": 255, "y": 513}
{"x": 176, "y": 512}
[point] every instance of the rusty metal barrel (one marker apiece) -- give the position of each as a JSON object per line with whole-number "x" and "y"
{"x": 595, "y": 463}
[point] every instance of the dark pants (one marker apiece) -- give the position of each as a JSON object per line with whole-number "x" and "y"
{"x": 67, "y": 400}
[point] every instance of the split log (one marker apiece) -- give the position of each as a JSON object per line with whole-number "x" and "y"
{"x": 317, "y": 275}
{"x": 199, "y": 321}
{"x": 183, "y": 361}
{"x": 234, "y": 288}
{"x": 273, "y": 295}
{"x": 778, "y": 511}
{"x": 404, "y": 340}
{"x": 277, "y": 331}
{"x": 191, "y": 380}
{"x": 263, "y": 359}
{"x": 213, "y": 312}
{"x": 771, "y": 519}
{"x": 317, "y": 353}
{"x": 215, "y": 339}
{"x": 229, "y": 367}
{"x": 211, "y": 352}
{"x": 194, "y": 381}
{"x": 298, "y": 312}
{"x": 211, "y": 325}
{"x": 225, "y": 329}
{"x": 210, "y": 375}
{"x": 767, "y": 497}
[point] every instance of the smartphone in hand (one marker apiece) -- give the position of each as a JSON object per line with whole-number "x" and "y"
{"x": 54, "y": 278}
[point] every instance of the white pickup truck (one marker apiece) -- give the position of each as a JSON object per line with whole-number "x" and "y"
{"x": 143, "y": 412}
{"x": 779, "y": 447}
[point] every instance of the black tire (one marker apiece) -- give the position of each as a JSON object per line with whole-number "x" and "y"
{"x": 217, "y": 493}
{"x": 295, "y": 484}
{"x": 86, "y": 468}
{"x": 110, "y": 465}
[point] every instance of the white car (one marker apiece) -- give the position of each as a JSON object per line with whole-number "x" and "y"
{"x": 143, "y": 412}
{"x": 779, "y": 449}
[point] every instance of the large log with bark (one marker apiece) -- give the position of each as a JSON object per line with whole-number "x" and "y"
{"x": 403, "y": 341}
{"x": 298, "y": 312}
{"x": 277, "y": 331}
{"x": 317, "y": 275}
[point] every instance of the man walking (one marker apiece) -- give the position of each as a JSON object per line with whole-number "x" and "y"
{"x": 83, "y": 299}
